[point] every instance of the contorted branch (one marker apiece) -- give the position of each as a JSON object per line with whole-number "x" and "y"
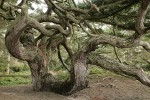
{"x": 125, "y": 26}
{"x": 145, "y": 45}
{"x": 111, "y": 13}
{"x": 89, "y": 33}
{"x": 115, "y": 50}
{"x": 47, "y": 30}
{"x": 141, "y": 16}
{"x": 46, "y": 18}
{"x": 57, "y": 27}
{"x": 61, "y": 60}
{"x": 55, "y": 41}
{"x": 2, "y": 4}
{"x": 117, "y": 67}
{"x": 40, "y": 27}
{"x": 114, "y": 41}
{"x": 68, "y": 49}
{"x": 12, "y": 40}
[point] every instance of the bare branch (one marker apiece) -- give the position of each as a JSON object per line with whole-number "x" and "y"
{"x": 110, "y": 13}
{"x": 90, "y": 27}
{"x": 114, "y": 41}
{"x": 74, "y": 3}
{"x": 72, "y": 18}
{"x": 59, "y": 28}
{"x": 119, "y": 68}
{"x": 38, "y": 38}
{"x": 2, "y": 4}
{"x": 61, "y": 60}
{"x": 122, "y": 26}
{"x": 115, "y": 50}
{"x": 140, "y": 28}
{"x": 35, "y": 24}
{"x": 68, "y": 49}
{"x": 145, "y": 45}
{"x": 89, "y": 33}
{"x": 14, "y": 47}
{"x": 22, "y": 2}
{"x": 46, "y": 18}
{"x": 111, "y": 5}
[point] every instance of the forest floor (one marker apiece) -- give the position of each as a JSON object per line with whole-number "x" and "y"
{"x": 100, "y": 88}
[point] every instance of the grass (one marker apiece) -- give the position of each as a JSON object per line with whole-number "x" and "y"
{"x": 9, "y": 81}
{"x": 61, "y": 75}
{"x": 99, "y": 72}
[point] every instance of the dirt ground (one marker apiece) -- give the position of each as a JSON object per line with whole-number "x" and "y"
{"x": 100, "y": 88}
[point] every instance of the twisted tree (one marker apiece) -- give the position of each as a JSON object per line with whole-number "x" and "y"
{"x": 56, "y": 27}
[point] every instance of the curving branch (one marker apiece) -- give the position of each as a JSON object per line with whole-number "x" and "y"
{"x": 111, "y": 5}
{"x": 114, "y": 41}
{"x": 55, "y": 41}
{"x": 68, "y": 49}
{"x": 61, "y": 60}
{"x": 57, "y": 27}
{"x": 51, "y": 3}
{"x": 12, "y": 41}
{"x": 119, "y": 25}
{"x": 119, "y": 68}
{"x": 145, "y": 45}
{"x": 2, "y": 5}
{"x": 12, "y": 38}
{"x": 38, "y": 38}
{"x": 83, "y": 28}
{"x": 112, "y": 13}
{"x": 70, "y": 17}
{"x": 46, "y": 18}
{"x": 140, "y": 28}
{"x": 115, "y": 50}
{"x": 40, "y": 27}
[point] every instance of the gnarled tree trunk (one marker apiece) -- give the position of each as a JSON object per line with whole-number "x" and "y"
{"x": 36, "y": 54}
{"x": 79, "y": 72}
{"x": 37, "y": 74}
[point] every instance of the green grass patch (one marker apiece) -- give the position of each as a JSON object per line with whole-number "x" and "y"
{"x": 98, "y": 72}
{"x": 62, "y": 75}
{"x": 8, "y": 81}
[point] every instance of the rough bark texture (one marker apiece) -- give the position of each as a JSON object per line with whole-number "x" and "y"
{"x": 79, "y": 72}
{"x": 115, "y": 66}
{"x": 22, "y": 45}
{"x": 36, "y": 75}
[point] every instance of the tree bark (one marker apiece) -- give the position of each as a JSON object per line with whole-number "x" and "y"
{"x": 36, "y": 75}
{"x": 79, "y": 72}
{"x": 119, "y": 68}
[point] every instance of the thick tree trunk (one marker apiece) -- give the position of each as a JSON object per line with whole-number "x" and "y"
{"x": 79, "y": 72}
{"x": 39, "y": 71}
{"x": 36, "y": 75}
